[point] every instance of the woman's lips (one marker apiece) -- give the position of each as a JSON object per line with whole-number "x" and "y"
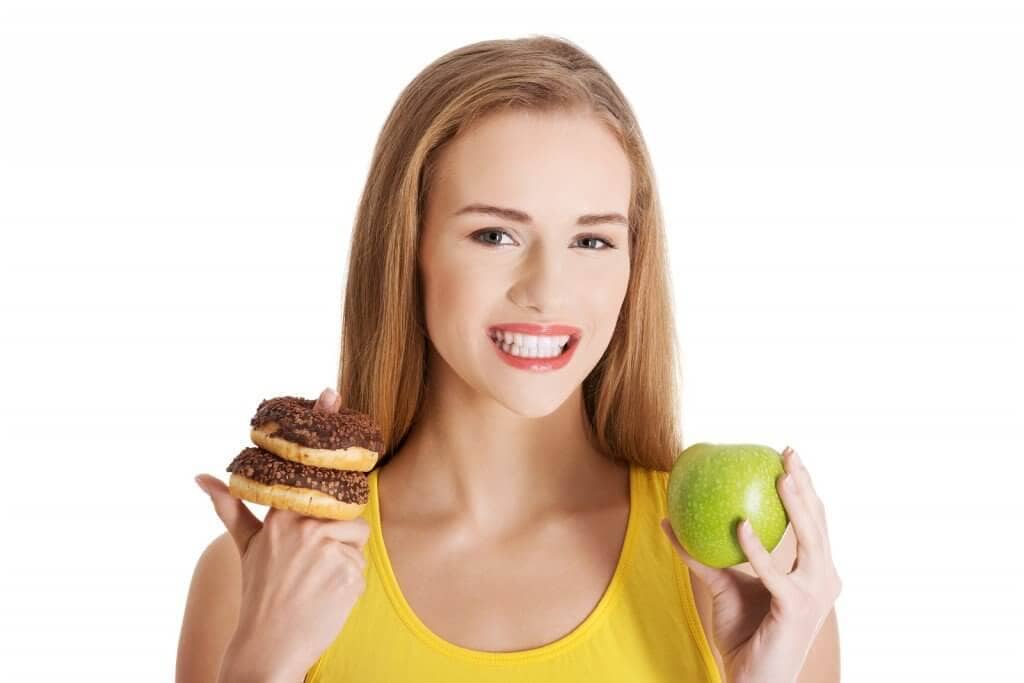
{"x": 538, "y": 364}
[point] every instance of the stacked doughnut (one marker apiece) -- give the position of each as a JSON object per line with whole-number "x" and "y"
{"x": 312, "y": 463}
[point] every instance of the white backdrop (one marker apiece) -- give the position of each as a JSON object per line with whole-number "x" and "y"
{"x": 843, "y": 186}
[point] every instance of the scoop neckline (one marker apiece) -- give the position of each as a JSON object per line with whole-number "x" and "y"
{"x": 379, "y": 556}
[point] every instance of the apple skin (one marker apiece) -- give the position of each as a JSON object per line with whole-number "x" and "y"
{"x": 713, "y": 487}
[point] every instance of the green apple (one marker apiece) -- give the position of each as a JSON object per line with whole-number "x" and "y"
{"x": 713, "y": 487}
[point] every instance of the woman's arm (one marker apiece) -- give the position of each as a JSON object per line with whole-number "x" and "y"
{"x": 822, "y": 664}
{"x": 211, "y": 613}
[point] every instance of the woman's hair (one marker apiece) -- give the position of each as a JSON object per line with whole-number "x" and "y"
{"x": 630, "y": 396}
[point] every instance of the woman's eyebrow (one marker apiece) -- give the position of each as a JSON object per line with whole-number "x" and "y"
{"x": 523, "y": 217}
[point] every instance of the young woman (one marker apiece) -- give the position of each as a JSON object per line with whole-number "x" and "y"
{"x": 508, "y": 323}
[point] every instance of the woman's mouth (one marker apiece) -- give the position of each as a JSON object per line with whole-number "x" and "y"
{"x": 534, "y": 352}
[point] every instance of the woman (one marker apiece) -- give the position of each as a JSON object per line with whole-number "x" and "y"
{"x": 511, "y": 532}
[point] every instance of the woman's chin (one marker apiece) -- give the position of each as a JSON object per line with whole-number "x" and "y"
{"x": 533, "y": 406}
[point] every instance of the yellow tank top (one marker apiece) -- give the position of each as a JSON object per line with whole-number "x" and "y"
{"x": 644, "y": 628}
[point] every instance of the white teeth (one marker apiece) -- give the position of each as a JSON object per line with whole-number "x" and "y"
{"x": 531, "y": 352}
{"x": 530, "y": 346}
{"x": 530, "y": 341}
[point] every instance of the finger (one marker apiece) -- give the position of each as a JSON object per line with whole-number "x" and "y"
{"x": 326, "y": 402}
{"x": 774, "y": 580}
{"x": 238, "y": 520}
{"x": 803, "y": 512}
{"x": 710, "y": 576}
{"x": 354, "y": 555}
{"x": 283, "y": 518}
{"x": 355, "y": 531}
{"x": 807, "y": 491}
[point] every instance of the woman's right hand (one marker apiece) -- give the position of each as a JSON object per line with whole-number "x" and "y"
{"x": 301, "y": 576}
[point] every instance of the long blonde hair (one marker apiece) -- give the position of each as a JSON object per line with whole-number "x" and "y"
{"x": 631, "y": 395}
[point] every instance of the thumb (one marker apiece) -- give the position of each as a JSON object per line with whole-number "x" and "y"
{"x": 237, "y": 519}
{"x": 328, "y": 402}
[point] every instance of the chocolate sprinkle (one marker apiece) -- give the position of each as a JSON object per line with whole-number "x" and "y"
{"x": 299, "y": 424}
{"x": 263, "y": 466}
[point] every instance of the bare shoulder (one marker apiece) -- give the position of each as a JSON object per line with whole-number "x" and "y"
{"x": 211, "y": 611}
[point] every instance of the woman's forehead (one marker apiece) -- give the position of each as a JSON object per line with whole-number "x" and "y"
{"x": 516, "y": 163}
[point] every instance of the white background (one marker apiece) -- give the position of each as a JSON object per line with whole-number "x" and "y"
{"x": 843, "y": 186}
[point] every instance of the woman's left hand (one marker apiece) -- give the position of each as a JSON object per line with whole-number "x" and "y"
{"x": 764, "y": 626}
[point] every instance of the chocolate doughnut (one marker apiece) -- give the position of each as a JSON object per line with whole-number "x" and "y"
{"x": 288, "y": 427}
{"x": 310, "y": 462}
{"x": 261, "y": 477}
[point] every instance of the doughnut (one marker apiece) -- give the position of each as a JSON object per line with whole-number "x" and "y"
{"x": 311, "y": 462}
{"x": 261, "y": 477}
{"x": 288, "y": 427}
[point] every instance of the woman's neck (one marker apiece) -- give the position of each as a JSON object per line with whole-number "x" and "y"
{"x": 473, "y": 460}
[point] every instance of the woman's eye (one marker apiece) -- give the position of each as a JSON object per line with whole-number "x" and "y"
{"x": 495, "y": 239}
{"x": 491, "y": 233}
{"x": 608, "y": 245}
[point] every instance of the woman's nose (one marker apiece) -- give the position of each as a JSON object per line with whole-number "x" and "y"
{"x": 542, "y": 284}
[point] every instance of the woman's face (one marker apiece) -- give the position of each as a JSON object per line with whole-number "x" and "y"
{"x": 480, "y": 270}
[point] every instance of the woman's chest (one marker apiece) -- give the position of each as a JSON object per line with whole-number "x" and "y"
{"x": 511, "y": 595}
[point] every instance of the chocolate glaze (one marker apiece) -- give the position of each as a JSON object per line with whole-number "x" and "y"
{"x": 263, "y": 466}
{"x": 300, "y": 424}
